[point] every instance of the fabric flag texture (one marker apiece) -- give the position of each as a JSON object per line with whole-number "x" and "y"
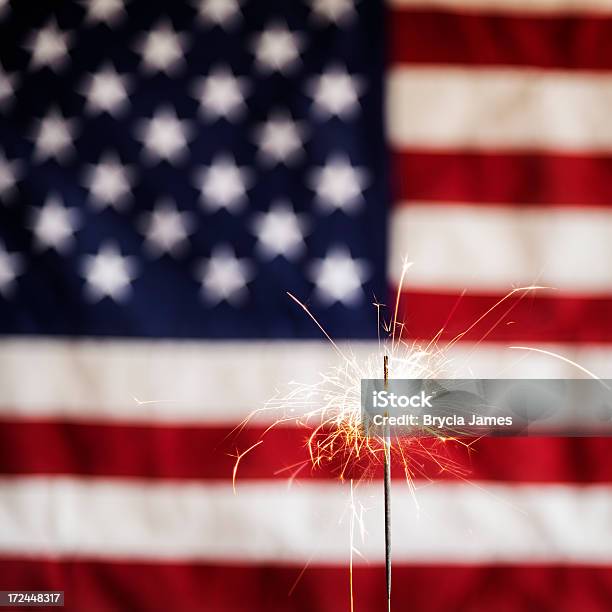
{"x": 170, "y": 170}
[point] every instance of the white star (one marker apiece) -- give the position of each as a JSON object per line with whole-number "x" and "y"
{"x": 223, "y": 184}
{"x": 48, "y": 47}
{"x": 106, "y": 91}
{"x": 279, "y": 139}
{"x": 333, "y": 11}
{"x": 109, "y": 182}
{"x": 11, "y": 266}
{"x": 338, "y": 277}
{"x": 10, "y": 173}
{"x": 108, "y": 274}
{"x": 53, "y": 137}
{"x": 277, "y": 49}
{"x": 109, "y": 12}
{"x": 338, "y": 184}
{"x": 166, "y": 229}
{"x": 279, "y": 232}
{"x": 224, "y": 277}
{"x": 335, "y": 93}
{"x": 165, "y": 136}
{"x": 8, "y": 84}
{"x": 221, "y": 94}
{"x": 224, "y": 13}
{"x": 162, "y": 49}
{"x": 54, "y": 225}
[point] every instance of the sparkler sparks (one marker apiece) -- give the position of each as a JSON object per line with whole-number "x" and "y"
{"x": 331, "y": 407}
{"x": 331, "y": 410}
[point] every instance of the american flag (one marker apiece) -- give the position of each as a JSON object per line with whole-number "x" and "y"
{"x": 170, "y": 170}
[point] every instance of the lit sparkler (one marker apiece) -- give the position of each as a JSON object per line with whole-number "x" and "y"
{"x": 331, "y": 409}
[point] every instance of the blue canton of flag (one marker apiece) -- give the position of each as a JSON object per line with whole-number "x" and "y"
{"x": 172, "y": 170}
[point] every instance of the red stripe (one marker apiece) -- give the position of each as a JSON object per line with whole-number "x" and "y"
{"x": 97, "y": 587}
{"x": 502, "y": 178}
{"x": 567, "y": 42}
{"x": 53, "y": 448}
{"x": 521, "y": 318}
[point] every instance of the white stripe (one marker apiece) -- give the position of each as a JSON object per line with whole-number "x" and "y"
{"x": 495, "y": 248}
{"x": 213, "y": 383}
{"x": 176, "y": 381}
{"x": 266, "y": 522}
{"x": 552, "y": 7}
{"x": 510, "y": 109}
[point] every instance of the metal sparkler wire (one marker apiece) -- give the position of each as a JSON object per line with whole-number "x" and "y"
{"x": 387, "y": 493}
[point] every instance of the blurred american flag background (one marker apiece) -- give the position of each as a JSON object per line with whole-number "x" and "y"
{"x": 169, "y": 170}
